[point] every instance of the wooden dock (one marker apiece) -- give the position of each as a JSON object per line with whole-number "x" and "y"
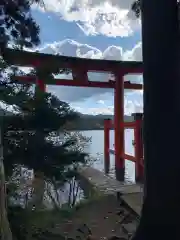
{"x": 131, "y": 194}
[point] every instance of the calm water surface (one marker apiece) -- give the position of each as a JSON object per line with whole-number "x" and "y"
{"x": 96, "y": 149}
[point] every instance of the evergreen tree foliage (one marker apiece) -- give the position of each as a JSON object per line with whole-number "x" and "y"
{"x": 136, "y": 7}
{"x": 32, "y": 137}
{"x": 17, "y": 25}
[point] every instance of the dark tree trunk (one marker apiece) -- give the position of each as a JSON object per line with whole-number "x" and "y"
{"x": 161, "y": 209}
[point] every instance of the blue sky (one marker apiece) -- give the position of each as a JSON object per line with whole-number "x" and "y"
{"x": 94, "y": 31}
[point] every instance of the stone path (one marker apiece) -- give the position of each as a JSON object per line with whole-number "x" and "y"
{"x": 95, "y": 180}
{"x": 105, "y": 219}
{"x": 111, "y": 213}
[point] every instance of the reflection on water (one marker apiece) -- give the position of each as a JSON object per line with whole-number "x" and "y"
{"x": 96, "y": 149}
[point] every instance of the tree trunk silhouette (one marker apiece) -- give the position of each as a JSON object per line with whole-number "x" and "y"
{"x": 161, "y": 208}
{"x": 38, "y": 185}
{"x": 36, "y": 203}
{"x": 5, "y": 231}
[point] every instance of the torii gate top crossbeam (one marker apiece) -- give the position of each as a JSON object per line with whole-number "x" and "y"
{"x": 30, "y": 59}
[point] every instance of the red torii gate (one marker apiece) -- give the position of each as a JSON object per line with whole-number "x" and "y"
{"x": 136, "y": 125}
{"x": 79, "y": 68}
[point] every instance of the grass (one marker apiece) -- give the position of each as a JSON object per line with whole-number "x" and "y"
{"x": 46, "y": 219}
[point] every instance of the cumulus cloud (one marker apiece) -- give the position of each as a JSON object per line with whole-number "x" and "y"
{"x": 134, "y": 54}
{"x": 108, "y": 17}
{"x": 70, "y": 47}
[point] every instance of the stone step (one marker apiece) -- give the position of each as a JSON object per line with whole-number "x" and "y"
{"x": 129, "y": 228}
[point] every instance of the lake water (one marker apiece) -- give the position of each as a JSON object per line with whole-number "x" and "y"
{"x": 96, "y": 149}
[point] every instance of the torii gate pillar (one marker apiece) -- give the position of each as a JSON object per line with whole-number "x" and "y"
{"x": 138, "y": 138}
{"x": 40, "y": 85}
{"x": 118, "y": 127}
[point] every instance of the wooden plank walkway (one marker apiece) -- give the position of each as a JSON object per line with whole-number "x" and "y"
{"x": 131, "y": 194}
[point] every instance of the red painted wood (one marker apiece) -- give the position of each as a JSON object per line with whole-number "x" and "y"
{"x": 75, "y": 83}
{"x": 139, "y": 168}
{"x": 106, "y": 140}
{"x": 129, "y": 157}
{"x": 119, "y": 121}
{"x": 41, "y": 85}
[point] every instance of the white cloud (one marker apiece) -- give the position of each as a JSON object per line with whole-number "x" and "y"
{"x": 70, "y": 47}
{"x": 134, "y": 54}
{"x": 96, "y": 110}
{"x": 101, "y": 102}
{"x": 108, "y": 17}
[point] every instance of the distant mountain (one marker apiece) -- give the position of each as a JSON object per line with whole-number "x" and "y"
{"x": 93, "y": 122}
{"x": 105, "y": 116}
{"x": 84, "y": 122}
{"x": 102, "y": 116}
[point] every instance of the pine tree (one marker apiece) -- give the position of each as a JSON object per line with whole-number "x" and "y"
{"x": 34, "y": 142}
{"x": 17, "y": 25}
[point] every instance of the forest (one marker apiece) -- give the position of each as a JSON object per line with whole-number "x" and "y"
{"x": 92, "y": 122}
